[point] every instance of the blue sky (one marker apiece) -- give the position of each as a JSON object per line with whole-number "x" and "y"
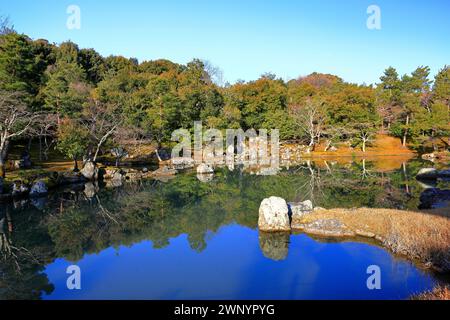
{"x": 247, "y": 38}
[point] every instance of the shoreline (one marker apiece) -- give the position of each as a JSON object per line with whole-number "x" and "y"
{"x": 426, "y": 241}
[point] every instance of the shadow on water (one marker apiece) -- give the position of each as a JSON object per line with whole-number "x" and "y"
{"x": 183, "y": 219}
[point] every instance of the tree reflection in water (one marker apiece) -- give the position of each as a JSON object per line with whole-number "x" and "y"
{"x": 72, "y": 223}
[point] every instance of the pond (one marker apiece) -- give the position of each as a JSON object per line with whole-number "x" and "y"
{"x": 190, "y": 239}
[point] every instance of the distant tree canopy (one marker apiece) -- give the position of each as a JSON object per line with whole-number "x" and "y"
{"x": 152, "y": 98}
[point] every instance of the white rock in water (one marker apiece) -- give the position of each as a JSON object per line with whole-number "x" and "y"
{"x": 273, "y": 215}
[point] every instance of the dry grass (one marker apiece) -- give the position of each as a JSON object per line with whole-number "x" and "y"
{"x": 438, "y": 293}
{"x": 382, "y": 145}
{"x": 423, "y": 236}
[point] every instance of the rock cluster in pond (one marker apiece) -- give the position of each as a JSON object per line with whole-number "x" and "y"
{"x": 325, "y": 227}
{"x": 277, "y": 216}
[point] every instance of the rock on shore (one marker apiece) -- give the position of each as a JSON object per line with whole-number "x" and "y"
{"x": 273, "y": 215}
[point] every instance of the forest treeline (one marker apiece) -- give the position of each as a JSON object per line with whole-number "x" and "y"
{"x": 85, "y": 104}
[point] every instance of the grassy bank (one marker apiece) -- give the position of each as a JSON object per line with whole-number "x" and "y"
{"x": 438, "y": 293}
{"x": 420, "y": 236}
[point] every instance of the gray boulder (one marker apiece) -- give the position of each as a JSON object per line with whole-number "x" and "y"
{"x": 90, "y": 171}
{"x": 326, "y": 227}
{"x": 273, "y": 215}
{"x": 38, "y": 189}
{"x": 300, "y": 209}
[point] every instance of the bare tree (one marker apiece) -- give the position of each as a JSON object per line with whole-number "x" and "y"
{"x": 15, "y": 121}
{"x": 46, "y": 133}
{"x": 213, "y": 73}
{"x": 333, "y": 134}
{"x": 100, "y": 121}
{"x": 310, "y": 118}
{"x": 365, "y": 133}
{"x": 6, "y": 26}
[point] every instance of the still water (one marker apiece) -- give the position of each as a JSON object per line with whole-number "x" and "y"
{"x": 190, "y": 239}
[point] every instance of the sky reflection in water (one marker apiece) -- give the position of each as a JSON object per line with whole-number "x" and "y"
{"x": 234, "y": 267}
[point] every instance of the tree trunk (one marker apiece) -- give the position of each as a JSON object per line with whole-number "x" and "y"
{"x": 405, "y": 174}
{"x": 158, "y": 146}
{"x": 328, "y": 145}
{"x": 2, "y": 169}
{"x": 30, "y": 140}
{"x": 364, "y": 145}
{"x": 75, "y": 165}
{"x": 406, "y": 131}
{"x": 4, "y": 147}
{"x": 40, "y": 148}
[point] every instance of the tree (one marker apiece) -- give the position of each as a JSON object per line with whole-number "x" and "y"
{"x": 73, "y": 140}
{"x": 389, "y": 97}
{"x": 414, "y": 90}
{"x": 101, "y": 121}
{"x": 15, "y": 121}
{"x": 93, "y": 64}
{"x": 17, "y": 64}
{"x": 310, "y": 118}
{"x": 65, "y": 90}
{"x": 364, "y": 133}
{"x": 441, "y": 87}
{"x": 6, "y": 26}
{"x": 161, "y": 113}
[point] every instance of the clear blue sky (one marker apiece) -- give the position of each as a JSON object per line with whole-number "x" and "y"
{"x": 246, "y": 38}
